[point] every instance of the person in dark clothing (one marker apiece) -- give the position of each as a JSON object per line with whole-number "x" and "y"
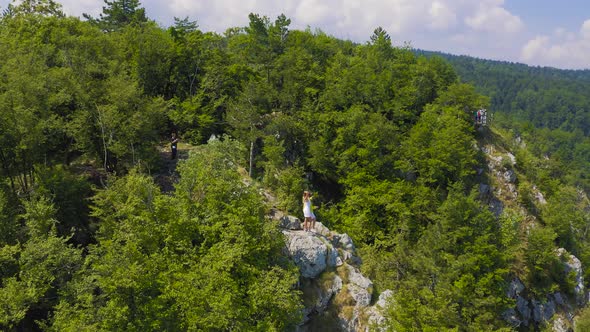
{"x": 173, "y": 145}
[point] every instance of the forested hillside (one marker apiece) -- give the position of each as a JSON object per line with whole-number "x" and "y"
{"x": 548, "y": 107}
{"x": 384, "y": 138}
{"x": 544, "y": 97}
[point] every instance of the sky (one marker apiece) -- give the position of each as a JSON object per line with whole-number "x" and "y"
{"x": 536, "y": 32}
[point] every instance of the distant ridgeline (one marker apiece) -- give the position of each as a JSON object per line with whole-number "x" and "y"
{"x": 543, "y": 96}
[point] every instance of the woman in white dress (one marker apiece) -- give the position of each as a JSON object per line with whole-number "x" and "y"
{"x": 309, "y": 217}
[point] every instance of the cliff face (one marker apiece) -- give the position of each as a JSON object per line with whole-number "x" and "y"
{"x": 337, "y": 296}
{"x": 499, "y": 189}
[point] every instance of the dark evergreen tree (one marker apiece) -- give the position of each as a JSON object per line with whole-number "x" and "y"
{"x": 118, "y": 14}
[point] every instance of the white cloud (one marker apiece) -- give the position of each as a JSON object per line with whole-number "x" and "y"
{"x": 183, "y": 7}
{"x": 403, "y": 19}
{"x": 585, "y": 30}
{"x": 70, "y": 7}
{"x": 562, "y": 50}
{"x": 559, "y": 32}
{"x": 442, "y": 17}
{"x": 494, "y": 18}
{"x": 313, "y": 11}
{"x": 534, "y": 47}
{"x": 76, "y": 8}
{"x": 354, "y": 19}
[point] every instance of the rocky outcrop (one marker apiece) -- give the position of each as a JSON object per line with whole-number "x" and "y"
{"x": 560, "y": 325}
{"x": 337, "y": 296}
{"x": 538, "y": 195}
{"x": 509, "y": 176}
{"x": 555, "y": 306}
{"x": 309, "y": 253}
{"x": 290, "y": 223}
{"x": 573, "y": 264}
{"x": 376, "y": 320}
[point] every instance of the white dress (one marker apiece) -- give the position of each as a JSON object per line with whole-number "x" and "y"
{"x": 307, "y": 209}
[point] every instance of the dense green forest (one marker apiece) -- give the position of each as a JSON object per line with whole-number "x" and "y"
{"x": 89, "y": 240}
{"x": 547, "y": 107}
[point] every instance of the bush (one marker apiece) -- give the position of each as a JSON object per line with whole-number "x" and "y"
{"x": 582, "y": 322}
{"x": 70, "y": 194}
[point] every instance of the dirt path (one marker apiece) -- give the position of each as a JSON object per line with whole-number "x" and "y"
{"x": 167, "y": 176}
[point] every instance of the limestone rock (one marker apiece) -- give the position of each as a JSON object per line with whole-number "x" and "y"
{"x": 515, "y": 288}
{"x": 509, "y": 176}
{"x": 361, "y": 296}
{"x": 522, "y": 306}
{"x": 537, "y": 311}
{"x": 346, "y": 242}
{"x": 559, "y": 325}
{"x": 346, "y": 256}
{"x": 539, "y": 196}
{"x": 290, "y": 222}
{"x": 549, "y": 310}
{"x": 376, "y": 321}
{"x": 511, "y": 317}
{"x": 327, "y": 294}
{"x": 572, "y": 263}
{"x": 317, "y": 254}
{"x": 559, "y": 300}
{"x": 356, "y": 278}
{"x": 512, "y": 190}
{"x": 333, "y": 258}
{"x": 484, "y": 190}
{"x": 321, "y": 229}
{"x": 308, "y": 252}
{"x": 512, "y": 158}
{"x": 322, "y": 290}
{"x": 543, "y": 311}
{"x": 360, "y": 287}
{"x": 276, "y": 214}
{"x": 383, "y": 298}
{"x": 496, "y": 207}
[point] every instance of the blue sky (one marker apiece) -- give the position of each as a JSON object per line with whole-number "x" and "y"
{"x": 546, "y": 15}
{"x": 536, "y": 32}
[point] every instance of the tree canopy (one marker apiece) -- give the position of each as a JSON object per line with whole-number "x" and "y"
{"x": 384, "y": 136}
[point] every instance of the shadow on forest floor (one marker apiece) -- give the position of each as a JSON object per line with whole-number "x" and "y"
{"x": 167, "y": 176}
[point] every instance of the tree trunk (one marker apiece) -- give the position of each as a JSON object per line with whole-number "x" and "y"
{"x": 251, "y": 157}
{"x": 7, "y": 171}
{"x": 133, "y": 154}
{"x": 104, "y": 143}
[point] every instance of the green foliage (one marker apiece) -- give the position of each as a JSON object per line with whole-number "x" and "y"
{"x": 288, "y": 184}
{"x": 354, "y": 146}
{"x": 9, "y": 227}
{"x": 385, "y": 139}
{"x": 118, "y": 14}
{"x": 439, "y": 148}
{"x": 582, "y": 322}
{"x": 460, "y": 270}
{"x": 510, "y": 222}
{"x": 202, "y": 259}
{"x": 32, "y": 273}
{"x": 544, "y": 267}
{"x": 547, "y": 107}
{"x": 547, "y": 97}
{"x": 35, "y": 7}
{"x": 70, "y": 195}
{"x": 526, "y": 196}
{"x": 565, "y": 215}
